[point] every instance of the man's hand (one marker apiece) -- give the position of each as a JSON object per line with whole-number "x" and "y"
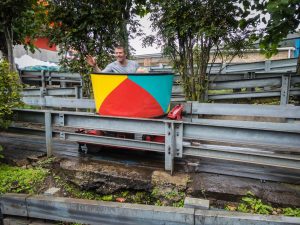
{"x": 142, "y": 70}
{"x": 91, "y": 60}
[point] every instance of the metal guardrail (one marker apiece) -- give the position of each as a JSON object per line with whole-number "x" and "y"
{"x": 61, "y": 102}
{"x": 281, "y": 65}
{"x": 45, "y": 78}
{"x": 75, "y": 92}
{"x": 269, "y": 85}
{"x": 100, "y": 212}
{"x": 57, "y": 102}
{"x": 259, "y": 143}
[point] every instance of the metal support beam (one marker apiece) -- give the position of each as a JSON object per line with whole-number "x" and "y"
{"x": 178, "y": 139}
{"x": 267, "y": 66}
{"x": 49, "y": 78}
{"x": 170, "y": 146}
{"x": 61, "y": 119}
{"x": 285, "y": 89}
{"x": 48, "y": 133}
{"x": 43, "y": 80}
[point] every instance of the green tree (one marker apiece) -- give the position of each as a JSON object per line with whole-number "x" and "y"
{"x": 9, "y": 93}
{"x": 91, "y": 27}
{"x": 188, "y": 30}
{"x": 20, "y": 22}
{"x": 281, "y": 18}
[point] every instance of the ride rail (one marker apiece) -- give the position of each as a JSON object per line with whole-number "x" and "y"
{"x": 274, "y": 144}
{"x": 221, "y": 87}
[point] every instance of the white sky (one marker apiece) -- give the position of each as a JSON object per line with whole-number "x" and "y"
{"x": 137, "y": 42}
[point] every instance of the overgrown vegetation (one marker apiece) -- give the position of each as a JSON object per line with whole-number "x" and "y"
{"x": 189, "y": 30}
{"x": 9, "y": 93}
{"x": 156, "y": 197}
{"x": 91, "y": 28}
{"x": 252, "y": 204}
{"x": 20, "y": 22}
{"x": 18, "y": 180}
{"x": 280, "y": 17}
{"x": 1, "y": 149}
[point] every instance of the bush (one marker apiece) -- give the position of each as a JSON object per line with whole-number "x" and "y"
{"x": 9, "y": 93}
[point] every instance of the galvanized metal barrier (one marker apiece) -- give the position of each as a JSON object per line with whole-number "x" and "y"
{"x": 44, "y": 78}
{"x": 99, "y": 212}
{"x": 281, "y": 65}
{"x": 269, "y": 85}
{"x": 75, "y": 92}
{"x": 275, "y": 144}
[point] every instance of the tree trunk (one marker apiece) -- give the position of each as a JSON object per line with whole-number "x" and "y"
{"x": 9, "y": 44}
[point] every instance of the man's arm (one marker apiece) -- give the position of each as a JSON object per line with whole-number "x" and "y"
{"x": 92, "y": 62}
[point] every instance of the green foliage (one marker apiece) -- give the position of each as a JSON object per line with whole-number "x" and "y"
{"x": 9, "y": 93}
{"x": 107, "y": 198}
{"x": 174, "y": 194}
{"x": 284, "y": 18}
{"x": 170, "y": 197}
{"x": 1, "y": 149}
{"x": 251, "y": 204}
{"x": 188, "y": 30}
{"x": 291, "y": 212}
{"x": 20, "y": 22}
{"x": 254, "y": 205}
{"x": 18, "y": 180}
{"x": 91, "y": 28}
{"x": 75, "y": 192}
{"x": 47, "y": 161}
{"x": 179, "y": 204}
{"x": 141, "y": 197}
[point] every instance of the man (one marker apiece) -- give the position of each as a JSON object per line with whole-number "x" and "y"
{"x": 121, "y": 65}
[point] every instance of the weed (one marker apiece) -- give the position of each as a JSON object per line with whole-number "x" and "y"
{"x": 107, "y": 198}
{"x": 158, "y": 203}
{"x": 291, "y": 212}
{"x": 179, "y": 203}
{"x": 19, "y": 180}
{"x": 155, "y": 192}
{"x": 46, "y": 161}
{"x": 75, "y": 192}
{"x": 1, "y": 149}
{"x": 124, "y": 194}
{"x": 251, "y": 204}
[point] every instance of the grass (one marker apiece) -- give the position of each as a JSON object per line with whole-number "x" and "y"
{"x": 18, "y": 180}
{"x": 252, "y": 204}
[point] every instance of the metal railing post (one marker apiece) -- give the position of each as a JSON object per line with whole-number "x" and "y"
{"x": 49, "y": 78}
{"x": 43, "y": 79}
{"x": 285, "y": 89}
{"x": 48, "y": 133}
{"x": 179, "y": 139}
{"x": 170, "y": 146}
{"x": 62, "y": 82}
{"x": 267, "y": 66}
{"x": 77, "y": 90}
{"x": 173, "y": 143}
